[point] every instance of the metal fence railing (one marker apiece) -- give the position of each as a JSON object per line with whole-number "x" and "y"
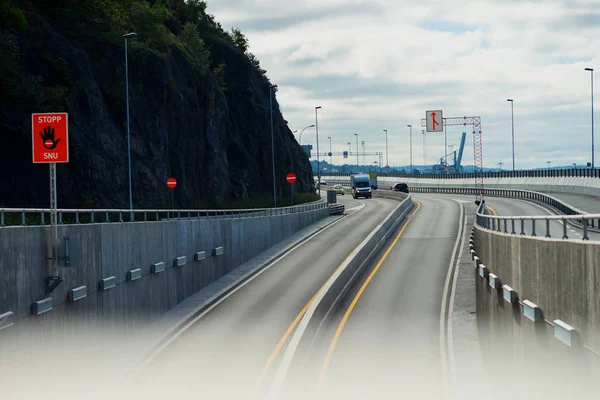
{"x": 570, "y": 214}
{"x": 542, "y": 173}
{"x": 41, "y": 216}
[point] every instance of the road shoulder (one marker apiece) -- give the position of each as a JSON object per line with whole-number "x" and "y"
{"x": 468, "y": 363}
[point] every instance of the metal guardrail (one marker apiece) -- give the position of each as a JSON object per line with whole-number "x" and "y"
{"x": 336, "y": 209}
{"x": 570, "y": 214}
{"x": 546, "y": 173}
{"x": 79, "y": 216}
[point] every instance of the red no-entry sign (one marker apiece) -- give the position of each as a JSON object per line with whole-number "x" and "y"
{"x": 290, "y": 178}
{"x": 50, "y": 138}
{"x": 171, "y": 183}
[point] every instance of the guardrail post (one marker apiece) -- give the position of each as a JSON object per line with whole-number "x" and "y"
{"x": 505, "y": 228}
{"x": 43, "y": 219}
{"x": 23, "y": 218}
{"x": 522, "y": 226}
{"x": 548, "y": 228}
{"x": 60, "y": 220}
{"x": 585, "y": 229}
{"x": 107, "y": 220}
{"x": 512, "y": 226}
{"x": 2, "y": 218}
{"x": 565, "y": 229}
{"x": 145, "y": 216}
{"x": 92, "y": 218}
{"x": 533, "y": 227}
{"x": 120, "y": 216}
{"x": 76, "y": 216}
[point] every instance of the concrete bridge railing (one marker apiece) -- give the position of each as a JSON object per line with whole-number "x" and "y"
{"x": 537, "y": 292}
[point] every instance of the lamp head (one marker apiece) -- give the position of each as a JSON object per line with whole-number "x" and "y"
{"x": 130, "y": 35}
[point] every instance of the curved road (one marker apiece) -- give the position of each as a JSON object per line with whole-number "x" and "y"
{"x": 388, "y": 336}
{"x": 384, "y": 340}
{"x": 232, "y": 343}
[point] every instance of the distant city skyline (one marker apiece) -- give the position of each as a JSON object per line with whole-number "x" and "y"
{"x": 375, "y": 66}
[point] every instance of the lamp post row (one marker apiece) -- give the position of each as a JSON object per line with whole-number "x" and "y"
{"x": 132, "y": 35}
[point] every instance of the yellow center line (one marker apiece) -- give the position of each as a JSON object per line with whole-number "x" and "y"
{"x": 492, "y": 210}
{"x": 418, "y": 206}
{"x": 291, "y": 328}
{"x": 340, "y": 328}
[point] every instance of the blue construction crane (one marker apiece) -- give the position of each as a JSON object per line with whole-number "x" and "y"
{"x": 456, "y": 168}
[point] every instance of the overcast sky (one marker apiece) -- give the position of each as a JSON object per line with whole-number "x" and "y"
{"x": 380, "y": 64}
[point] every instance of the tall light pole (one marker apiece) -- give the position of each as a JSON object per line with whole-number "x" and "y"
{"x": 364, "y": 153}
{"x": 128, "y": 36}
{"x": 318, "y": 164}
{"x": 592, "y": 81}
{"x": 512, "y": 113}
{"x": 357, "y": 163}
{"x": 273, "y": 145}
{"x": 310, "y": 126}
{"x": 424, "y": 153}
{"x": 410, "y": 141}
{"x": 349, "y": 148}
{"x": 548, "y": 162}
{"x": 387, "y": 160}
{"x": 330, "y": 154}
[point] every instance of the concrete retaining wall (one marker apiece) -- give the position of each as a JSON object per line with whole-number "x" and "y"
{"x": 561, "y": 277}
{"x": 116, "y": 249}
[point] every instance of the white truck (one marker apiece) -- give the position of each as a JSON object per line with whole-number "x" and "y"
{"x": 361, "y": 186}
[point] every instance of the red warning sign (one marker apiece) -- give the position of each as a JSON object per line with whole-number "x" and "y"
{"x": 50, "y": 137}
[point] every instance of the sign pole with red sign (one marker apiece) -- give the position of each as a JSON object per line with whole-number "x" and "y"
{"x": 50, "y": 145}
{"x": 291, "y": 179}
{"x": 171, "y": 184}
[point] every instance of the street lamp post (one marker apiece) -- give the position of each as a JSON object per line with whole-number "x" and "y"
{"x": 128, "y": 36}
{"x": 387, "y": 159}
{"x": 318, "y": 164}
{"x": 330, "y": 154}
{"x": 410, "y": 141}
{"x": 513, "y": 130}
{"x": 310, "y": 126}
{"x": 592, "y": 82}
{"x": 357, "y": 163}
{"x": 364, "y": 153}
{"x": 548, "y": 162}
{"x": 424, "y": 153}
{"x": 273, "y": 145}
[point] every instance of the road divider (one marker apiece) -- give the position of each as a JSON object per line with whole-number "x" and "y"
{"x": 338, "y": 285}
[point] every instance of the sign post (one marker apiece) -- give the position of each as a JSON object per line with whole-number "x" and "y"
{"x": 171, "y": 183}
{"x": 291, "y": 179}
{"x": 50, "y": 145}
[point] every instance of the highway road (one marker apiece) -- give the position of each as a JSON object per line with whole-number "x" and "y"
{"x": 224, "y": 353}
{"x": 386, "y": 339}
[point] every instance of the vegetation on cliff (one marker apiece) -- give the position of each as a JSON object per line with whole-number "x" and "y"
{"x": 199, "y": 105}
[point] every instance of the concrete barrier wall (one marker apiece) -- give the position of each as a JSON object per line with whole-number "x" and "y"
{"x": 117, "y": 248}
{"x": 560, "y": 277}
{"x": 573, "y": 185}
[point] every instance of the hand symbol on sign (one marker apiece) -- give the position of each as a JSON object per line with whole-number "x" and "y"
{"x": 48, "y": 138}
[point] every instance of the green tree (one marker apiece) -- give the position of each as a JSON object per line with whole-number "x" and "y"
{"x": 11, "y": 17}
{"x": 239, "y": 39}
{"x": 197, "y": 47}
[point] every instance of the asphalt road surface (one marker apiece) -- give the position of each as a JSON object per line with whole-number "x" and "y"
{"x": 226, "y": 353}
{"x": 383, "y": 341}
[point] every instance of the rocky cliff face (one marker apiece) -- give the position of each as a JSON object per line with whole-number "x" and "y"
{"x": 216, "y": 143}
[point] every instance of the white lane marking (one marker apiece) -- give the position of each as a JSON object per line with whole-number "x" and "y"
{"x": 284, "y": 255}
{"x": 286, "y": 362}
{"x": 452, "y": 296}
{"x": 445, "y": 298}
{"x": 359, "y": 207}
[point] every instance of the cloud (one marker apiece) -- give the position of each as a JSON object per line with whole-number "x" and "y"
{"x": 379, "y": 64}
